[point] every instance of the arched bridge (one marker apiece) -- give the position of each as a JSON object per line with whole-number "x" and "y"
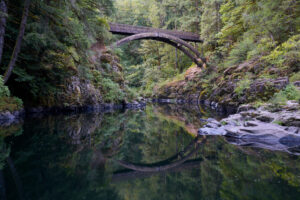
{"x": 178, "y": 39}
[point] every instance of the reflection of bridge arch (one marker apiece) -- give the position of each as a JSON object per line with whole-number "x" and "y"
{"x": 193, "y": 147}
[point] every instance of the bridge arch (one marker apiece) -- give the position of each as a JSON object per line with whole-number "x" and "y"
{"x": 176, "y": 42}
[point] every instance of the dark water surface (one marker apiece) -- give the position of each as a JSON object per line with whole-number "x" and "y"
{"x": 132, "y": 155}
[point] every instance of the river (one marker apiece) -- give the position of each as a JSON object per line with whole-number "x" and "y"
{"x": 138, "y": 154}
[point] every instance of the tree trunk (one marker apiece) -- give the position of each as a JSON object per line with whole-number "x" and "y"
{"x": 3, "y": 16}
{"x": 176, "y": 53}
{"x": 18, "y": 44}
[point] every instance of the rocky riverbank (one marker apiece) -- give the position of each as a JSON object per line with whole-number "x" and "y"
{"x": 241, "y": 84}
{"x": 264, "y": 127}
{"x": 8, "y": 118}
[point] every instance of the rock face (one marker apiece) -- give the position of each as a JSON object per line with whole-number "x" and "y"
{"x": 260, "y": 128}
{"x": 81, "y": 92}
{"x": 182, "y": 90}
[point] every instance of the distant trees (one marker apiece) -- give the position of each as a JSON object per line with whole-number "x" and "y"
{"x": 233, "y": 31}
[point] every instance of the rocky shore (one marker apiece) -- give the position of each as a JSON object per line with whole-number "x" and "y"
{"x": 7, "y": 117}
{"x": 264, "y": 127}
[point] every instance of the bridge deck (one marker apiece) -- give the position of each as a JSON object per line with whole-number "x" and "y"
{"x": 123, "y": 29}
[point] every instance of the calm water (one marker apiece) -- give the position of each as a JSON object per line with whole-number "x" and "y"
{"x": 152, "y": 154}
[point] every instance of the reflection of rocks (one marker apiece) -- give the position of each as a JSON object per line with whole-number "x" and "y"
{"x": 7, "y": 118}
{"x": 185, "y": 115}
{"x": 136, "y": 105}
{"x": 260, "y": 128}
{"x": 81, "y": 127}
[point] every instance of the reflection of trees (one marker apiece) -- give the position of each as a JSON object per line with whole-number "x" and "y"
{"x": 71, "y": 157}
{"x": 2, "y": 186}
{"x": 16, "y": 178}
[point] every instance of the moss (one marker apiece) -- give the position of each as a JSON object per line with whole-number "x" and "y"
{"x": 278, "y": 122}
{"x": 258, "y": 103}
{"x": 223, "y": 123}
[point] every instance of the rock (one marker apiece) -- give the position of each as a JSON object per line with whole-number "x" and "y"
{"x": 250, "y": 123}
{"x": 293, "y": 129}
{"x": 297, "y": 83}
{"x": 246, "y": 107}
{"x": 210, "y": 131}
{"x": 290, "y": 140}
{"x": 135, "y": 105}
{"x": 254, "y": 128}
{"x": 7, "y": 116}
{"x": 265, "y": 118}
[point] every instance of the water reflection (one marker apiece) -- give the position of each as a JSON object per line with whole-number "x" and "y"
{"x": 151, "y": 154}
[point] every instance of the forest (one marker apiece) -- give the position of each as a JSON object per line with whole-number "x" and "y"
{"x": 57, "y": 53}
{"x": 158, "y": 117}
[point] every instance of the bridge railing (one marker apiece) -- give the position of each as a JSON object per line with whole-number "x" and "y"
{"x": 124, "y": 29}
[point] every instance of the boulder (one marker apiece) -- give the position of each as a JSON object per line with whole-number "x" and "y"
{"x": 259, "y": 128}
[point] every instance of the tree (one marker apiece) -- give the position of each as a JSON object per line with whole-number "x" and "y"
{"x": 3, "y": 16}
{"x": 18, "y": 44}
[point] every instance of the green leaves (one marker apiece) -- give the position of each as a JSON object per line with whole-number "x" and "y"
{"x": 4, "y": 91}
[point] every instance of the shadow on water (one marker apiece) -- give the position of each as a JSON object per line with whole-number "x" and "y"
{"x": 150, "y": 154}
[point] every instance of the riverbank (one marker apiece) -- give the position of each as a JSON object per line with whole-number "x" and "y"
{"x": 12, "y": 117}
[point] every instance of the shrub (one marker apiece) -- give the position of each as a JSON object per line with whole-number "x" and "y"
{"x": 264, "y": 47}
{"x": 4, "y": 91}
{"x": 240, "y": 52}
{"x": 289, "y": 93}
{"x": 278, "y": 99}
{"x": 6, "y": 101}
{"x": 286, "y": 54}
{"x": 242, "y": 85}
{"x": 111, "y": 91}
{"x": 295, "y": 77}
{"x": 131, "y": 94}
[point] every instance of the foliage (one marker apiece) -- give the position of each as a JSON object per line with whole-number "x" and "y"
{"x": 287, "y": 54}
{"x": 57, "y": 43}
{"x": 289, "y": 93}
{"x": 62, "y": 38}
{"x": 242, "y": 85}
{"x": 239, "y": 53}
{"x": 4, "y": 91}
{"x": 8, "y": 103}
{"x": 112, "y": 91}
{"x": 295, "y": 77}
